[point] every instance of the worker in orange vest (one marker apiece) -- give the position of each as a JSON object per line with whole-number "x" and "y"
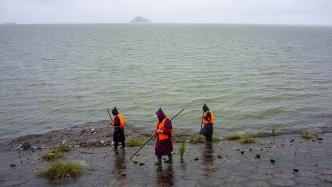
{"x": 118, "y": 123}
{"x": 164, "y": 135}
{"x": 207, "y": 121}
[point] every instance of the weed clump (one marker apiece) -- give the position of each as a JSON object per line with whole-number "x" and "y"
{"x": 56, "y": 152}
{"x": 233, "y": 137}
{"x": 242, "y": 138}
{"x": 216, "y": 139}
{"x": 247, "y": 140}
{"x": 182, "y": 150}
{"x": 306, "y": 134}
{"x": 274, "y": 131}
{"x": 135, "y": 141}
{"x": 196, "y": 139}
{"x": 63, "y": 148}
{"x": 60, "y": 170}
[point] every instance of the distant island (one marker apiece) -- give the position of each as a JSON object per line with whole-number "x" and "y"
{"x": 139, "y": 19}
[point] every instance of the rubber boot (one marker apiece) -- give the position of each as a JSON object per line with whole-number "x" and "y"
{"x": 123, "y": 145}
{"x": 115, "y": 146}
{"x": 170, "y": 159}
{"x": 158, "y": 163}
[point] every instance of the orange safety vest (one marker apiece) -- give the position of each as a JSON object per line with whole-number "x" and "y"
{"x": 161, "y": 126}
{"x": 122, "y": 121}
{"x": 208, "y": 121}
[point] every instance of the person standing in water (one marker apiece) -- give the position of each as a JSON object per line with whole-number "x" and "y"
{"x": 164, "y": 135}
{"x": 207, "y": 121}
{"x": 118, "y": 124}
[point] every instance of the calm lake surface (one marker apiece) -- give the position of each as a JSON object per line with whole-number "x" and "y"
{"x": 254, "y": 77}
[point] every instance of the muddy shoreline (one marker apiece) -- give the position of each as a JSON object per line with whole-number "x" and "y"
{"x": 284, "y": 160}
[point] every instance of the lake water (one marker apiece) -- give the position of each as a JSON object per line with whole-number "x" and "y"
{"x": 254, "y": 77}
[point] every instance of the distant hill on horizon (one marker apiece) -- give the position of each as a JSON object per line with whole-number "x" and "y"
{"x": 140, "y": 19}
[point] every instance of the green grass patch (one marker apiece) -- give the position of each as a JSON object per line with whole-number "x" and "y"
{"x": 63, "y": 148}
{"x": 60, "y": 170}
{"x": 182, "y": 149}
{"x": 274, "y": 131}
{"x": 306, "y": 134}
{"x": 52, "y": 155}
{"x": 135, "y": 141}
{"x": 56, "y": 152}
{"x": 195, "y": 139}
{"x": 233, "y": 137}
{"x": 216, "y": 139}
{"x": 247, "y": 140}
{"x": 242, "y": 138}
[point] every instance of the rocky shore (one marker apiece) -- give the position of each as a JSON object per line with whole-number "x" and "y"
{"x": 283, "y": 160}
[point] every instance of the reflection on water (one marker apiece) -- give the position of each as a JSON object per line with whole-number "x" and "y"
{"x": 208, "y": 159}
{"x": 120, "y": 168}
{"x": 165, "y": 176}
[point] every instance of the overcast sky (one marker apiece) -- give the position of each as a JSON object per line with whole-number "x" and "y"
{"x": 317, "y": 12}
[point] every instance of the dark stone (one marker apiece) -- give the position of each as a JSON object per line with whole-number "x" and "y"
{"x": 26, "y": 146}
{"x": 12, "y": 165}
{"x": 123, "y": 175}
{"x": 296, "y": 170}
{"x": 292, "y": 140}
{"x": 141, "y": 164}
{"x": 238, "y": 149}
{"x": 257, "y": 156}
{"x": 219, "y": 156}
{"x": 320, "y": 139}
{"x": 196, "y": 158}
{"x": 242, "y": 152}
{"x": 135, "y": 162}
{"x": 272, "y": 161}
{"x": 250, "y": 149}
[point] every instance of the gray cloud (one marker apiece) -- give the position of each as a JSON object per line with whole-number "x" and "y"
{"x": 191, "y": 11}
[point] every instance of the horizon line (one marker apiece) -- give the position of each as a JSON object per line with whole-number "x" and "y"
{"x": 137, "y": 23}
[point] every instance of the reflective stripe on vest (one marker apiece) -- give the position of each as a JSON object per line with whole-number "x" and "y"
{"x": 161, "y": 126}
{"x": 122, "y": 121}
{"x": 208, "y": 121}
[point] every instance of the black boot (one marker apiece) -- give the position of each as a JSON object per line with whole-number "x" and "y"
{"x": 158, "y": 163}
{"x": 123, "y": 145}
{"x": 170, "y": 158}
{"x": 115, "y": 145}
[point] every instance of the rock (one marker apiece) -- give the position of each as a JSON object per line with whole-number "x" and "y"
{"x": 196, "y": 158}
{"x": 257, "y": 156}
{"x": 272, "y": 161}
{"x": 123, "y": 175}
{"x": 292, "y": 140}
{"x": 219, "y": 157}
{"x": 135, "y": 162}
{"x": 242, "y": 152}
{"x": 12, "y": 165}
{"x": 26, "y": 146}
{"x": 319, "y": 139}
{"x": 238, "y": 149}
{"x": 296, "y": 170}
{"x": 141, "y": 164}
{"x": 250, "y": 149}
